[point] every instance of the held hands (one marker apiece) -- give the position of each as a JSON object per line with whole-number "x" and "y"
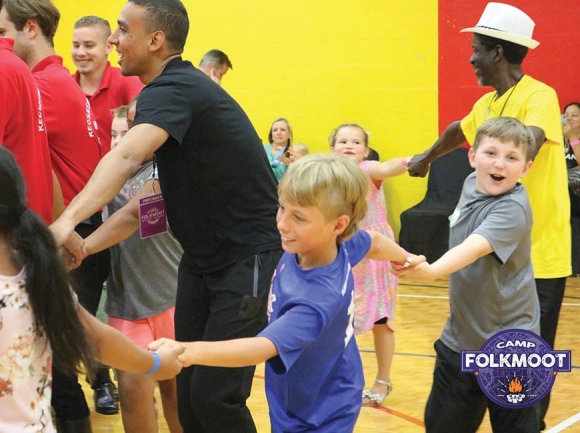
{"x": 166, "y": 344}
{"x": 412, "y": 260}
{"x": 419, "y": 271}
{"x": 69, "y": 260}
{"x": 70, "y": 243}
{"x": 417, "y": 166}
{"x": 170, "y": 365}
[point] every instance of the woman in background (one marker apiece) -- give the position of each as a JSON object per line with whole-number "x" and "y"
{"x": 277, "y": 149}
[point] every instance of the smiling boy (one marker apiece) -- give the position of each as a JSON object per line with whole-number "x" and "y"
{"x": 491, "y": 281}
{"x": 314, "y": 375}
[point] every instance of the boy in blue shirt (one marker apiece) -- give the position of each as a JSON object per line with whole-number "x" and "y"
{"x": 314, "y": 375}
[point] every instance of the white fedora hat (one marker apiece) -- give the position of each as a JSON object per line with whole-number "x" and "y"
{"x": 507, "y": 23}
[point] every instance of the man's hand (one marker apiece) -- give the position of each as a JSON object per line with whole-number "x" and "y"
{"x": 65, "y": 236}
{"x": 76, "y": 245}
{"x": 417, "y": 166}
{"x": 62, "y": 229}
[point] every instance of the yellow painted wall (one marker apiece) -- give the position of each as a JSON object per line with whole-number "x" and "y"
{"x": 319, "y": 63}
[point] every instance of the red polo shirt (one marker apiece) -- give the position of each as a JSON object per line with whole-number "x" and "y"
{"x": 114, "y": 90}
{"x": 72, "y": 134}
{"x": 22, "y": 129}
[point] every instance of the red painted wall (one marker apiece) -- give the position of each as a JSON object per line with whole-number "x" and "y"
{"x": 556, "y": 61}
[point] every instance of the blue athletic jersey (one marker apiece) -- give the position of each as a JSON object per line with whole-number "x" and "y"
{"x": 316, "y": 381}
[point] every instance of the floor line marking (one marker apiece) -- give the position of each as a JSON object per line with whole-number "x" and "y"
{"x": 401, "y": 415}
{"x": 422, "y": 296}
{"x": 564, "y": 424}
{"x": 566, "y": 304}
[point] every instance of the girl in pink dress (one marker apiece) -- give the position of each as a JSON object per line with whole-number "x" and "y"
{"x": 375, "y": 285}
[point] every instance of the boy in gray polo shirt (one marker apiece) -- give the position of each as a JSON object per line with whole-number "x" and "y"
{"x": 491, "y": 281}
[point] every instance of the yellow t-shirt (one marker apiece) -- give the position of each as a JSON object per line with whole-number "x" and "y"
{"x": 536, "y": 104}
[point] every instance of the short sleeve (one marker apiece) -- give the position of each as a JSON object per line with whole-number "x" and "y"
{"x": 165, "y": 105}
{"x": 504, "y": 227}
{"x": 358, "y": 246}
{"x": 292, "y": 333}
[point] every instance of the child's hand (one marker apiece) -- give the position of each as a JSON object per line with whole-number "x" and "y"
{"x": 170, "y": 364}
{"x": 412, "y": 260}
{"x": 68, "y": 259}
{"x": 421, "y": 271}
{"x": 164, "y": 343}
{"x": 417, "y": 259}
{"x": 169, "y": 351}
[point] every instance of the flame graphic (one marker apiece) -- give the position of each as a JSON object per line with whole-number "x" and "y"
{"x": 515, "y": 386}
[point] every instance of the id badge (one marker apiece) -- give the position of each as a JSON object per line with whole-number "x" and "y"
{"x": 152, "y": 218}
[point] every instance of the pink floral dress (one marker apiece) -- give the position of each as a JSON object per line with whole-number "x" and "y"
{"x": 375, "y": 287}
{"x": 25, "y": 363}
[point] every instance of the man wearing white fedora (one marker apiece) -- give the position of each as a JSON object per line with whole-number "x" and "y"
{"x": 501, "y": 40}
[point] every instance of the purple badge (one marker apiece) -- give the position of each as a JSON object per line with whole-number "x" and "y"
{"x": 152, "y": 219}
{"x": 515, "y": 368}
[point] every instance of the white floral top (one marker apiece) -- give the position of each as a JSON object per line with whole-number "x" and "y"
{"x": 25, "y": 363}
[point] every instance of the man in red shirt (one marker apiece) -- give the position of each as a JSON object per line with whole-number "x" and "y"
{"x": 22, "y": 128}
{"x": 105, "y": 86}
{"x": 74, "y": 153}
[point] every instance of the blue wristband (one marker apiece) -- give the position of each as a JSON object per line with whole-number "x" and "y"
{"x": 156, "y": 364}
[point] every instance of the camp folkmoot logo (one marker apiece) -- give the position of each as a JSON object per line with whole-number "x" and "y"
{"x": 515, "y": 368}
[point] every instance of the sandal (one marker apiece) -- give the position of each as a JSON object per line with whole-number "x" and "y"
{"x": 374, "y": 398}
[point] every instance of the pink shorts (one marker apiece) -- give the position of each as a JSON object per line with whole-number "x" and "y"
{"x": 144, "y": 331}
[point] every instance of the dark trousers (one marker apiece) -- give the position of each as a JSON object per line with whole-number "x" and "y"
{"x": 457, "y": 404}
{"x": 68, "y": 399}
{"x": 551, "y": 293}
{"x": 221, "y": 305}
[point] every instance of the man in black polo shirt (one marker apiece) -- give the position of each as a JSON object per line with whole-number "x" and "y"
{"x": 221, "y": 201}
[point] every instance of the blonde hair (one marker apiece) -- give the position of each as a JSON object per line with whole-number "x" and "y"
{"x": 507, "y": 129}
{"x": 335, "y": 131}
{"x": 302, "y": 148}
{"x": 332, "y": 183}
{"x": 290, "y": 135}
{"x": 121, "y": 111}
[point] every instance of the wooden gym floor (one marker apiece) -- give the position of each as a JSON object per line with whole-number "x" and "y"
{"x": 421, "y": 313}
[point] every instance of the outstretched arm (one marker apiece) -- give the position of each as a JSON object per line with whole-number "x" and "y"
{"x": 464, "y": 254}
{"x": 451, "y": 139}
{"x": 390, "y": 168}
{"x": 383, "y": 248}
{"x": 108, "y": 178}
{"x": 116, "y": 350}
{"x": 121, "y": 224}
{"x": 241, "y": 352}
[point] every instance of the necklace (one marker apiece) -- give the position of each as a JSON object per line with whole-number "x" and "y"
{"x": 506, "y": 100}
